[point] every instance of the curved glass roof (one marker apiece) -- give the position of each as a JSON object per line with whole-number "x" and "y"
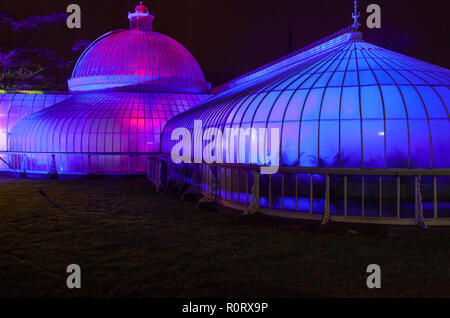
{"x": 139, "y": 60}
{"x": 116, "y": 122}
{"x": 355, "y": 105}
{"x": 14, "y": 106}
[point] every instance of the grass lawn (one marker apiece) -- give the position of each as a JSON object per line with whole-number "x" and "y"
{"x": 130, "y": 241}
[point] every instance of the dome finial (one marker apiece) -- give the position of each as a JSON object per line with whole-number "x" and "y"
{"x": 141, "y": 19}
{"x": 355, "y": 16}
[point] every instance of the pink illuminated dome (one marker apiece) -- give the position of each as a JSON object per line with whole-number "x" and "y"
{"x": 138, "y": 59}
{"x": 128, "y": 84}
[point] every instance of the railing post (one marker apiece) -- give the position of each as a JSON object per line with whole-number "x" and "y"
{"x": 326, "y": 213}
{"x": 362, "y": 196}
{"x": 211, "y": 195}
{"x": 254, "y": 199}
{"x": 435, "y": 207}
{"x": 311, "y": 194}
{"x": 381, "y": 196}
{"x": 158, "y": 175}
{"x": 193, "y": 188}
{"x": 53, "y": 173}
{"x": 398, "y": 197}
{"x": 24, "y": 163}
{"x": 282, "y": 192}
{"x": 345, "y": 195}
{"x": 418, "y": 206}
{"x": 89, "y": 164}
{"x": 129, "y": 164}
{"x": 296, "y": 192}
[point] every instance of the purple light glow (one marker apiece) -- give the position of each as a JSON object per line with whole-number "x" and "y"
{"x": 104, "y": 128}
{"x": 130, "y": 83}
{"x": 332, "y": 106}
{"x": 138, "y": 60}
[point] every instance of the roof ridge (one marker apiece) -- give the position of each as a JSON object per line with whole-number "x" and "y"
{"x": 344, "y": 35}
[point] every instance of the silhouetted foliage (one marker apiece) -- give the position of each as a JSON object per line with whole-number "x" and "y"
{"x": 24, "y": 66}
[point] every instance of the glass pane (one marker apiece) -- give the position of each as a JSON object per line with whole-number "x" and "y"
{"x": 383, "y": 78}
{"x": 367, "y": 78}
{"x": 371, "y": 104}
{"x": 433, "y": 103}
{"x": 413, "y": 102}
{"x": 350, "y": 143}
{"x": 308, "y": 144}
{"x": 289, "y": 143}
{"x": 312, "y": 105}
{"x": 393, "y": 102}
{"x": 330, "y": 105}
{"x": 266, "y": 105}
{"x": 440, "y": 132}
{"x": 420, "y": 143}
{"x": 251, "y": 109}
{"x": 295, "y": 106}
{"x": 373, "y": 143}
{"x": 350, "y": 103}
{"x": 351, "y": 78}
{"x": 336, "y": 79}
{"x": 279, "y": 108}
{"x": 329, "y": 143}
{"x": 397, "y": 143}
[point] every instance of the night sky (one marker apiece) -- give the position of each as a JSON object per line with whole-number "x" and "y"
{"x": 231, "y": 37}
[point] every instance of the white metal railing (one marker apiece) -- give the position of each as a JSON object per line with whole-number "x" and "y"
{"x": 383, "y": 196}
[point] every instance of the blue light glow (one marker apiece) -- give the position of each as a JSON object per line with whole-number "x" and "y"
{"x": 357, "y": 106}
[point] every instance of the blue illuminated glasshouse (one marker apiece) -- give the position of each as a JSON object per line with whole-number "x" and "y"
{"x": 363, "y": 131}
{"x": 353, "y": 106}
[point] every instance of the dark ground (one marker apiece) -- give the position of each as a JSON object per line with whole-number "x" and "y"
{"x": 130, "y": 241}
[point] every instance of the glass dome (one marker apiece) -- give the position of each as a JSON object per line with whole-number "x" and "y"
{"x": 355, "y": 105}
{"x": 138, "y": 60}
{"x": 129, "y": 83}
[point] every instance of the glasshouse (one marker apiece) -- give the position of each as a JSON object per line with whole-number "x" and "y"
{"x": 363, "y": 131}
{"x": 125, "y": 87}
{"x": 15, "y": 105}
